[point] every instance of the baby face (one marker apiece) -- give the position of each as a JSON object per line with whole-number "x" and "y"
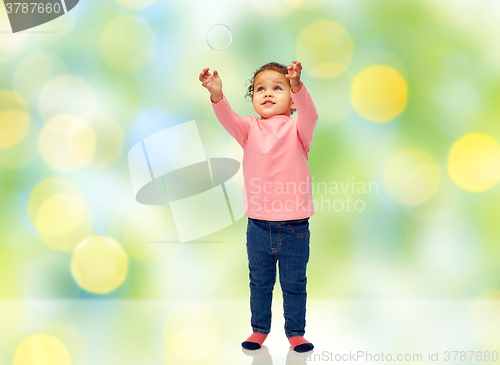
{"x": 271, "y": 94}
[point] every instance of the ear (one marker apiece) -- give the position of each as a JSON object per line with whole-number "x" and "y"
{"x": 292, "y": 106}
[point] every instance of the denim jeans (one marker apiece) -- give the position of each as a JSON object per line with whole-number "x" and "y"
{"x": 285, "y": 242}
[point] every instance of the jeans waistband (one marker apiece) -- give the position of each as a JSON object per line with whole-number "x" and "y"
{"x": 288, "y": 221}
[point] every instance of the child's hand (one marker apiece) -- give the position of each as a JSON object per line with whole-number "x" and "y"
{"x": 213, "y": 83}
{"x": 294, "y": 76}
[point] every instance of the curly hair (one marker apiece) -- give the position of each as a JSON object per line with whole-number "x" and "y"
{"x": 274, "y": 66}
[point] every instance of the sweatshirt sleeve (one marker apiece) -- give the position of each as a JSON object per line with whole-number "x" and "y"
{"x": 307, "y": 116}
{"x": 236, "y": 125}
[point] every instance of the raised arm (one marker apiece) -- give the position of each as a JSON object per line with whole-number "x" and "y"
{"x": 212, "y": 83}
{"x": 307, "y": 115}
{"x": 236, "y": 125}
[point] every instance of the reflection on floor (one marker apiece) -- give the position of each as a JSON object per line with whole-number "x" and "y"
{"x": 207, "y": 332}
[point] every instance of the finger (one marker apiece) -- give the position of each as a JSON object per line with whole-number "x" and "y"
{"x": 297, "y": 64}
{"x": 216, "y": 74}
{"x": 204, "y": 72}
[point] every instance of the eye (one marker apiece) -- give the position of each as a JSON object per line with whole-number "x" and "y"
{"x": 260, "y": 88}
{"x": 277, "y": 87}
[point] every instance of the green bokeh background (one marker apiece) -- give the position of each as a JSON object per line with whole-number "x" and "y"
{"x": 429, "y": 47}
{"x": 447, "y": 51}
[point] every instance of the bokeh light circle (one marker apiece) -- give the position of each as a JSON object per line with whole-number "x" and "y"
{"x": 474, "y": 162}
{"x": 99, "y": 264}
{"x": 219, "y": 37}
{"x": 18, "y": 133}
{"x": 14, "y": 119}
{"x": 60, "y": 214}
{"x": 127, "y": 44}
{"x": 135, "y": 4}
{"x": 67, "y": 95}
{"x": 188, "y": 323}
{"x": 67, "y": 143}
{"x": 42, "y": 349}
{"x": 110, "y": 138}
{"x": 34, "y": 72}
{"x": 57, "y": 208}
{"x": 412, "y": 176}
{"x": 379, "y": 93}
{"x": 13, "y": 128}
{"x": 325, "y": 48}
{"x": 10, "y": 100}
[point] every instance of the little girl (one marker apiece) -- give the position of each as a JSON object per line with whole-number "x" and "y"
{"x": 279, "y": 202}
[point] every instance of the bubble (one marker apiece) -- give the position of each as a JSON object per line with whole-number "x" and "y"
{"x": 379, "y": 93}
{"x": 412, "y": 177}
{"x": 474, "y": 162}
{"x": 99, "y": 264}
{"x": 42, "y": 349}
{"x": 127, "y": 44}
{"x": 219, "y": 37}
{"x": 325, "y": 49}
{"x": 67, "y": 143}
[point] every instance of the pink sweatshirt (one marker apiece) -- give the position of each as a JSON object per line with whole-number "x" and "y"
{"x": 277, "y": 180}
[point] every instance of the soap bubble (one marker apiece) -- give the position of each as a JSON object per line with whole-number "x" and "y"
{"x": 219, "y": 37}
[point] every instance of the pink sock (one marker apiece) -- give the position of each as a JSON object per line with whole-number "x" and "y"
{"x": 255, "y": 341}
{"x": 300, "y": 344}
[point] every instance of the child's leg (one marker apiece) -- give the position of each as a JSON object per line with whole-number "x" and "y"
{"x": 292, "y": 261}
{"x": 262, "y": 267}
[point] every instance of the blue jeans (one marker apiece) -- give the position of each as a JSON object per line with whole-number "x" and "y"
{"x": 285, "y": 242}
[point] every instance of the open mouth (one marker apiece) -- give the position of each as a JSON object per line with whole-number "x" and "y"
{"x": 268, "y": 102}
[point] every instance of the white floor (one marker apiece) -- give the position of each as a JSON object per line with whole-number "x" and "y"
{"x": 210, "y": 332}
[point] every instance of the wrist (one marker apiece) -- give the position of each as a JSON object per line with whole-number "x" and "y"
{"x": 216, "y": 97}
{"x": 296, "y": 87}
